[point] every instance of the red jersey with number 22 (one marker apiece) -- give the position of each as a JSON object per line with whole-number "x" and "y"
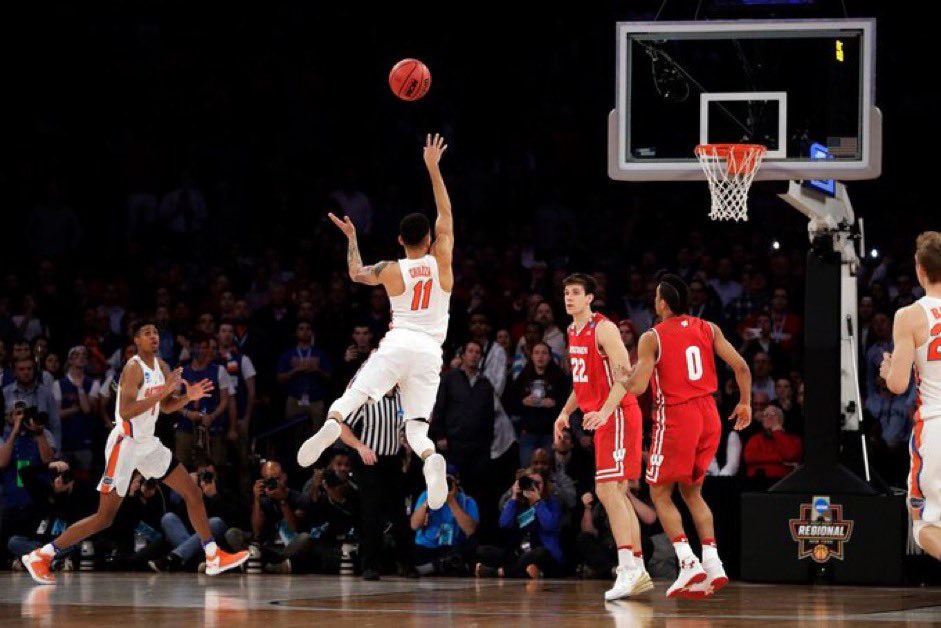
{"x": 686, "y": 365}
{"x": 591, "y": 373}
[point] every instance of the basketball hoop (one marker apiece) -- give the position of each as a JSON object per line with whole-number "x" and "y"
{"x": 730, "y": 169}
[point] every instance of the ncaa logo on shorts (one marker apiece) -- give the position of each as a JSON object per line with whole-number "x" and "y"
{"x": 656, "y": 460}
{"x": 619, "y": 454}
{"x": 107, "y": 480}
{"x": 146, "y": 377}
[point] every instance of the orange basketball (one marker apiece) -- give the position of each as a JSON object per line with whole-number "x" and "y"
{"x": 410, "y": 79}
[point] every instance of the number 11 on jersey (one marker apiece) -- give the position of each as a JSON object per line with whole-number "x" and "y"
{"x": 421, "y": 296}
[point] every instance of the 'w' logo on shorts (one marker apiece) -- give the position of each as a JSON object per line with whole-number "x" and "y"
{"x": 619, "y": 454}
{"x": 656, "y": 460}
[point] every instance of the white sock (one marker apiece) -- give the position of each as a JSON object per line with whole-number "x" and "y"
{"x": 48, "y": 549}
{"x": 210, "y": 548}
{"x": 683, "y": 550}
{"x": 416, "y": 433}
{"x": 626, "y": 557}
{"x": 639, "y": 562}
{"x": 710, "y": 554}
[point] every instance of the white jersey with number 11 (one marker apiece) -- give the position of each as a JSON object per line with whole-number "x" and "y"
{"x": 423, "y": 307}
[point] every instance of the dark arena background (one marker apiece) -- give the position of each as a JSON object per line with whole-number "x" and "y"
{"x": 176, "y": 162}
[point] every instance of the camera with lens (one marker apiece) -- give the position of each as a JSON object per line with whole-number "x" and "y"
{"x": 206, "y": 476}
{"x": 331, "y": 478}
{"x": 271, "y": 483}
{"x": 31, "y": 414}
{"x": 526, "y": 483}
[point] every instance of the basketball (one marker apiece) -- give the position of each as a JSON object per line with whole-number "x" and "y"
{"x": 410, "y": 79}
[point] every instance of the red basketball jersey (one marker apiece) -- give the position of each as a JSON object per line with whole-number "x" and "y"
{"x": 591, "y": 374}
{"x": 686, "y": 365}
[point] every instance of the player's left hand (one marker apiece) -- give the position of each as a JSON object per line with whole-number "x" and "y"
{"x": 886, "y": 365}
{"x": 741, "y": 415}
{"x": 198, "y": 390}
{"x": 346, "y": 225}
{"x": 594, "y": 420}
{"x": 434, "y": 148}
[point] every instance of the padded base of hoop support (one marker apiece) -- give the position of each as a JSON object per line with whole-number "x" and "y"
{"x": 782, "y": 541}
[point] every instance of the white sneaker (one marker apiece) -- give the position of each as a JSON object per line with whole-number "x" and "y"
{"x": 715, "y": 580}
{"x": 314, "y": 446}
{"x": 436, "y": 479}
{"x": 623, "y": 585}
{"x": 691, "y": 572}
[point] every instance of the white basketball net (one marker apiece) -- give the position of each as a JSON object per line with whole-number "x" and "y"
{"x": 730, "y": 169}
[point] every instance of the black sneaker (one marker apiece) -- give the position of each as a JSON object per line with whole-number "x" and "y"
{"x": 370, "y": 574}
{"x": 170, "y": 562}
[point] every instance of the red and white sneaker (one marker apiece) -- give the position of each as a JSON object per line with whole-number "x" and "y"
{"x": 224, "y": 561}
{"x": 691, "y": 572}
{"x": 715, "y": 575}
{"x": 39, "y": 566}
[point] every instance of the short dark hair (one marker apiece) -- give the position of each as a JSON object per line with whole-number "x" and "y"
{"x": 414, "y": 228}
{"x": 587, "y": 282}
{"x": 139, "y": 324}
{"x": 675, "y": 292}
{"x": 928, "y": 254}
{"x": 473, "y": 342}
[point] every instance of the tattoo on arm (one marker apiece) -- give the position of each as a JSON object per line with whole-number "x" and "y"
{"x": 376, "y": 269}
{"x": 353, "y": 258}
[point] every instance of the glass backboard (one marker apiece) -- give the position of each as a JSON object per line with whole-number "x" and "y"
{"x": 787, "y": 84}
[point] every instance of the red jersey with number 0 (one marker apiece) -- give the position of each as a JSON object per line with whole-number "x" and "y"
{"x": 686, "y": 365}
{"x": 592, "y": 377}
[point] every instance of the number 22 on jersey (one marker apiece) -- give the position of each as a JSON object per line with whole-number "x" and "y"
{"x": 421, "y": 295}
{"x": 578, "y": 370}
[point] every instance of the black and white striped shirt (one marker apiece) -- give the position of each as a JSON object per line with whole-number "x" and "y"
{"x": 377, "y": 424}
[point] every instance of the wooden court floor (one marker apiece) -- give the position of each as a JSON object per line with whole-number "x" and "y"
{"x": 120, "y": 600}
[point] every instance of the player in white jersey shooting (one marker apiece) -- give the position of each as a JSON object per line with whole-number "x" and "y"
{"x": 419, "y": 288}
{"x": 147, "y": 387}
{"x": 917, "y": 336}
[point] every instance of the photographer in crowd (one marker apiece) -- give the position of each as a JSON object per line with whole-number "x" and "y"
{"x": 333, "y": 513}
{"x": 26, "y": 443}
{"x": 533, "y": 546}
{"x": 58, "y": 502}
{"x": 444, "y": 538}
{"x": 276, "y": 520}
{"x": 28, "y": 390}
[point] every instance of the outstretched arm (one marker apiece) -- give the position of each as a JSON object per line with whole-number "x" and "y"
{"x": 725, "y": 350}
{"x": 369, "y": 275}
{"x": 896, "y": 367}
{"x": 444, "y": 225}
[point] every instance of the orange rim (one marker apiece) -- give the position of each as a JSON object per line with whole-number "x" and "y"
{"x": 745, "y": 157}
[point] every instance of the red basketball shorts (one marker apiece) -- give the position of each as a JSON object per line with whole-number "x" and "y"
{"x": 618, "y": 446}
{"x": 684, "y": 441}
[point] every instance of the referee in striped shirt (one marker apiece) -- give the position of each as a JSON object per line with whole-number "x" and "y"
{"x": 373, "y": 431}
